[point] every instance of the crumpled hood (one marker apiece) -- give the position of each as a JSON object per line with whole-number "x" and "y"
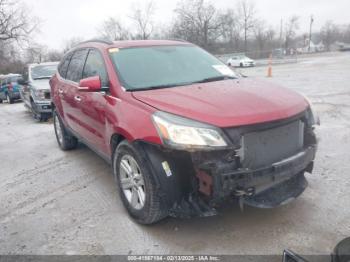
{"x": 41, "y": 84}
{"x": 227, "y": 103}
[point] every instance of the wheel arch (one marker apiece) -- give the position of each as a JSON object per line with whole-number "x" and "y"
{"x": 115, "y": 140}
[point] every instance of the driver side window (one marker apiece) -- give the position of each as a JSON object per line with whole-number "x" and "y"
{"x": 95, "y": 66}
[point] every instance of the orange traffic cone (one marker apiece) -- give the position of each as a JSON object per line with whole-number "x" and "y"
{"x": 269, "y": 69}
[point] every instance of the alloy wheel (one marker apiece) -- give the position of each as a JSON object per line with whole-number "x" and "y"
{"x": 132, "y": 182}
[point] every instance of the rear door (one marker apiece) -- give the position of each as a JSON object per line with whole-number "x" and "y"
{"x": 71, "y": 101}
{"x": 59, "y": 85}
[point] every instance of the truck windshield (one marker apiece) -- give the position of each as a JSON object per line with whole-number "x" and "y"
{"x": 43, "y": 71}
{"x": 154, "y": 67}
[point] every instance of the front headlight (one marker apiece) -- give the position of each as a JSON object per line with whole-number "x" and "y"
{"x": 312, "y": 114}
{"x": 40, "y": 94}
{"x": 181, "y": 132}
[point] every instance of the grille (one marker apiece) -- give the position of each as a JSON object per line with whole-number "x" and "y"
{"x": 262, "y": 148}
{"x": 47, "y": 95}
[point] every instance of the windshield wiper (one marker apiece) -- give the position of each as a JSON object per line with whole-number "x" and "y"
{"x": 205, "y": 80}
{"x": 213, "y": 79}
{"x": 159, "y": 86}
{"x": 42, "y": 77}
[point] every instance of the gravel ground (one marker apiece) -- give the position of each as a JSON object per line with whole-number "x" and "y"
{"x": 54, "y": 202}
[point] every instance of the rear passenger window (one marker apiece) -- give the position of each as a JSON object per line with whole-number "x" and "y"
{"x": 62, "y": 68}
{"x": 95, "y": 66}
{"x": 75, "y": 68}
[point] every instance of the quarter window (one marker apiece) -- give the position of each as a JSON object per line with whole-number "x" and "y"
{"x": 75, "y": 68}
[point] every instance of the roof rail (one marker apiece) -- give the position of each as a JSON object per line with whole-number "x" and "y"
{"x": 178, "y": 39}
{"x": 97, "y": 40}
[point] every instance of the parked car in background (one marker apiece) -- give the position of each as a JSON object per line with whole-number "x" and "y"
{"x": 10, "y": 88}
{"x": 182, "y": 131}
{"x": 240, "y": 61}
{"x": 36, "y": 89}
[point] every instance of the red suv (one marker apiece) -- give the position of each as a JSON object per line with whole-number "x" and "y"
{"x": 181, "y": 130}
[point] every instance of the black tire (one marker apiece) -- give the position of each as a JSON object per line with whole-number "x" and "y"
{"x": 241, "y": 65}
{"x": 0, "y": 101}
{"x": 9, "y": 99}
{"x": 229, "y": 64}
{"x": 43, "y": 118}
{"x": 32, "y": 109}
{"x": 67, "y": 141}
{"x": 152, "y": 210}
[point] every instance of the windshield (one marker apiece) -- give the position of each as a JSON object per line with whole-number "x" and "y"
{"x": 14, "y": 79}
{"x": 43, "y": 71}
{"x": 167, "y": 66}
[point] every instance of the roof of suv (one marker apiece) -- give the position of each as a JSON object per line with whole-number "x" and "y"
{"x": 132, "y": 43}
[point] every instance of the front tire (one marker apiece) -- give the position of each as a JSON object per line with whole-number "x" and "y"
{"x": 241, "y": 65}
{"x": 137, "y": 186}
{"x": 9, "y": 99}
{"x": 65, "y": 140}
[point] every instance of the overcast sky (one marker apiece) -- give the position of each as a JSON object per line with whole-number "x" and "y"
{"x": 64, "y": 19}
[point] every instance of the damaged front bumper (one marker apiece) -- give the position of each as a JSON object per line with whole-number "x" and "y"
{"x": 194, "y": 183}
{"x": 254, "y": 187}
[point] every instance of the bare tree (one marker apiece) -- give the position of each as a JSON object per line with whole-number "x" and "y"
{"x": 291, "y": 28}
{"x": 10, "y": 61}
{"x": 15, "y": 21}
{"x": 53, "y": 56}
{"x": 197, "y": 21}
{"x": 262, "y": 35}
{"x": 246, "y": 14}
{"x": 35, "y": 53}
{"x": 70, "y": 43}
{"x": 231, "y": 30}
{"x": 143, "y": 18}
{"x": 113, "y": 30}
{"x": 329, "y": 34}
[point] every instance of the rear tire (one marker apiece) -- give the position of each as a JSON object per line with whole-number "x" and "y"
{"x": 129, "y": 166}
{"x": 0, "y": 101}
{"x": 65, "y": 140}
{"x": 241, "y": 65}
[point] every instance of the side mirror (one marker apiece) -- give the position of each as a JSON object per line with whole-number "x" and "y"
{"x": 90, "y": 84}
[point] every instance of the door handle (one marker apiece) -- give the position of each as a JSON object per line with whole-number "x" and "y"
{"x": 60, "y": 90}
{"x": 77, "y": 98}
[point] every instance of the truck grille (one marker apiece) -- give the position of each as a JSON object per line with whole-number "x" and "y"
{"x": 47, "y": 95}
{"x": 265, "y": 147}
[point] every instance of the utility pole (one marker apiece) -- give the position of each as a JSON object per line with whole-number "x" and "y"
{"x": 281, "y": 33}
{"x": 310, "y": 33}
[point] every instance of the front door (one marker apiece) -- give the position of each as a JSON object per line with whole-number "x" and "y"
{"x": 91, "y": 113}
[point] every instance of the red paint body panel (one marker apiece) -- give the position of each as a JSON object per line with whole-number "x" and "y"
{"x": 223, "y": 103}
{"x": 227, "y": 103}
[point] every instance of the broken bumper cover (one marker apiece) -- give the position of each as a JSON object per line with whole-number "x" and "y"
{"x": 268, "y": 187}
{"x": 195, "y": 188}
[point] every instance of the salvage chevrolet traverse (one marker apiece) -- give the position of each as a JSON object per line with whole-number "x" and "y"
{"x": 182, "y": 131}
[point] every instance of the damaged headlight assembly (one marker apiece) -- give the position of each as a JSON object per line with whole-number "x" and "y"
{"x": 182, "y": 133}
{"x": 312, "y": 116}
